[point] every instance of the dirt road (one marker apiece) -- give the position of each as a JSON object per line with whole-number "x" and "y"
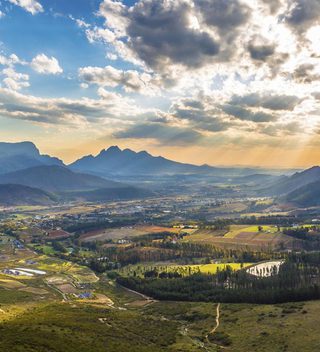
{"x": 217, "y": 323}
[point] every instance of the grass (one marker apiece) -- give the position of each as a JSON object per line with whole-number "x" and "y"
{"x": 184, "y": 270}
{"x": 79, "y": 273}
{"x": 291, "y": 327}
{"x": 237, "y": 229}
{"x": 30, "y": 324}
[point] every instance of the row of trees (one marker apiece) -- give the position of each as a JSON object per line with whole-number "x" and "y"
{"x": 298, "y": 279}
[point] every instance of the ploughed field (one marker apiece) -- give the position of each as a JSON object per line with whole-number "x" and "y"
{"x": 242, "y": 236}
{"x": 125, "y": 232}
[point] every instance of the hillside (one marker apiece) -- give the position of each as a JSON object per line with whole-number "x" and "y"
{"x": 18, "y": 156}
{"x": 289, "y": 184}
{"x": 11, "y": 195}
{"x": 306, "y": 196}
{"x": 107, "y": 194}
{"x": 56, "y": 179}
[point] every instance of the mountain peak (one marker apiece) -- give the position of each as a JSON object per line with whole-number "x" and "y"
{"x": 113, "y": 148}
{"x": 21, "y": 148}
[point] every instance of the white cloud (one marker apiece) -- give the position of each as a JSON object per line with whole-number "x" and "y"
{"x": 46, "y": 65}
{"x": 103, "y": 111}
{"x": 11, "y": 60}
{"x": 130, "y": 80}
{"x": 31, "y": 6}
{"x": 82, "y": 24}
{"x": 14, "y": 80}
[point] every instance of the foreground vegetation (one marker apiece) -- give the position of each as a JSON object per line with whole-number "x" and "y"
{"x": 298, "y": 279}
{"x": 163, "y": 326}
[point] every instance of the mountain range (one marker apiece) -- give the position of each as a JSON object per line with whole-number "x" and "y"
{"x": 18, "y": 156}
{"x": 93, "y": 178}
{"x": 116, "y": 162}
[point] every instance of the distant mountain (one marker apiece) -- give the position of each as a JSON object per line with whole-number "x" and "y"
{"x": 18, "y": 156}
{"x": 289, "y": 184}
{"x": 56, "y": 179}
{"x": 107, "y": 194}
{"x": 11, "y": 195}
{"x": 115, "y": 161}
{"x": 256, "y": 179}
{"x": 306, "y": 196}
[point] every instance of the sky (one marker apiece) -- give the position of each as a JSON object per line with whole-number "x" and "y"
{"x": 222, "y": 82}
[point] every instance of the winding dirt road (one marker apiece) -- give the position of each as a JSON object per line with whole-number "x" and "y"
{"x": 217, "y": 324}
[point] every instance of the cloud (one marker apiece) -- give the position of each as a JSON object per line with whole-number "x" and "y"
{"x": 199, "y": 112}
{"x": 267, "y": 101}
{"x": 31, "y": 6}
{"x": 14, "y": 80}
{"x": 160, "y": 33}
{"x": 164, "y": 134}
{"x": 46, "y": 65}
{"x": 11, "y": 60}
{"x": 274, "y": 5}
{"x": 261, "y": 52}
{"x": 247, "y": 115}
{"x": 130, "y": 80}
{"x": 225, "y": 15}
{"x": 303, "y": 14}
{"x": 305, "y": 73}
{"x": 165, "y": 33}
{"x": 62, "y": 111}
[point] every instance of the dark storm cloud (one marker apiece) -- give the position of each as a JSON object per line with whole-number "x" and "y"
{"x": 163, "y": 133}
{"x": 271, "y": 102}
{"x": 225, "y": 15}
{"x": 303, "y": 14}
{"x": 244, "y": 114}
{"x": 159, "y": 33}
{"x": 261, "y": 52}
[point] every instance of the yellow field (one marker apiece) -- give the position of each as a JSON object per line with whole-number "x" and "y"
{"x": 236, "y": 229}
{"x": 183, "y": 270}
{"x": 208, "y": 268}
{"x": 241, "y": 236}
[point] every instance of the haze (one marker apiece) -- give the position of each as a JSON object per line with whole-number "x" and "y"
{"x": 223, "y": 83}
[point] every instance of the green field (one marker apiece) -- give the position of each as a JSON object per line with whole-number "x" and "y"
{"x": 184, "y": 270}
{"x": 235, "y": 230}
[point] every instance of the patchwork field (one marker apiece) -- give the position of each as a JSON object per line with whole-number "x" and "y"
{"x": 242, "y": 236}
{"x": 36, "y": 277}
{"x": 125, "y": 232}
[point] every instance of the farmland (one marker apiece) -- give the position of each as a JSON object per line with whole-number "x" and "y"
{"x": 125, "y": 232}
{"x": 184, "y": 270}
{"x": 241, "y": 236}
